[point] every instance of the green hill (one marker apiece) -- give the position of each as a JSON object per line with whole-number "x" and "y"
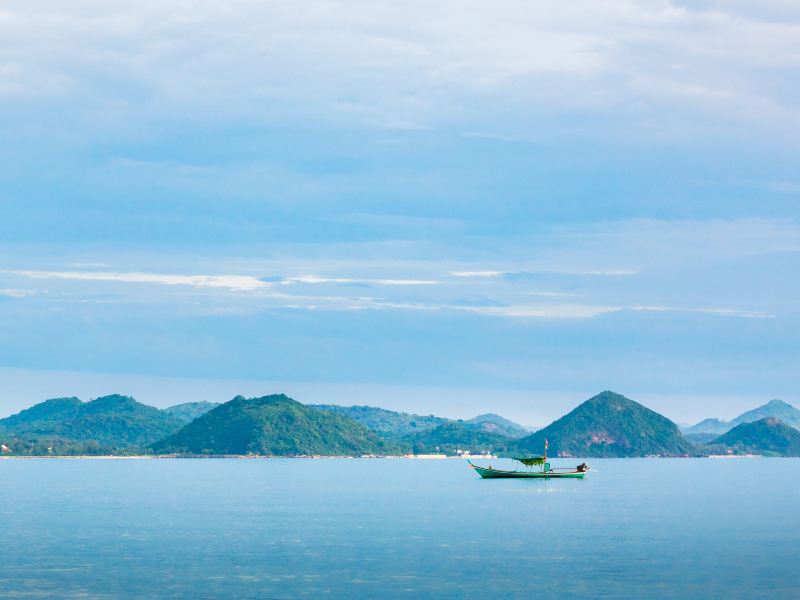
{"x": 455, "y": 435}
{"x": 765, "y": 436}
{"x": 55, "y": 409}
{"x": 609, "y": 425}
{"x": 492, "y": 423}
{"x": 387, "y": 423}
{"x": 275, "y": 426}
{"x": 67, "y": 426}
{"x": 189, "y": 411}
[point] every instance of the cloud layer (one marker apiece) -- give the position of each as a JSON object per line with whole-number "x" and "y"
{"x": 414, "y": 65}
{"x": 582, "y": 195}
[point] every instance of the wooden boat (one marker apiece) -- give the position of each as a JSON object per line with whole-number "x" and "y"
{"x": 531, "y": 461}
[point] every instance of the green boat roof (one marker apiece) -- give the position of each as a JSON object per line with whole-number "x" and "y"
{"x": 531, "y": 461}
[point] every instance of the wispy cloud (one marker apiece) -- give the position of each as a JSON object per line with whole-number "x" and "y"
{"x": 585, "y": 311}
{"x": 543, "y": 311}
{"x": 500, "y": 295}
{"x": 236, "y": 283}
{"x": 549, "y": 311}
{"x": 314, "y": 279}
{"x": 15, "y": 293}
{"x": 588, "y": 272}
{"x": 477, "y": 273}
{"x": 725, "y": 312}
{"x": 231, "y": 282}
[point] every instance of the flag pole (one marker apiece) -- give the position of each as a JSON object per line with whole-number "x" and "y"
{"x": 545, "y": 455}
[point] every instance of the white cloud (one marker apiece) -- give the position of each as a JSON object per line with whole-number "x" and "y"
{"x": 314, "y": 279}
{"x": 725, "y": 312}
{"x": 592, "y": 272}
{"x": 584, "y": 311}
{"x": 14, "y": 293}
{"x": 416, "y": 64}
{"x": 231, "y": 282}
{"x": 551, "y": 311}
{"x": 543, "y": 311}
{"x": 236, "y": 283}
{"x": 477, "y": 273}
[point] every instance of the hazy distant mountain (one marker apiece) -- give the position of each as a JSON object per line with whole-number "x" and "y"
{"x": 455, "y": 435}
{"x": 112, "y": 422}
{"x": 609, "y": 425}
{"x": 387, "y": 423}
{"x": 273, "y": 425}
{"x": 189, "y": 411}
{"x": 708, "y": 426}
{"x": 765, "y": 436}
{"x": 493, "y": 423}
{"x": 775, "y": 409}
{"x": 406, "y": 427}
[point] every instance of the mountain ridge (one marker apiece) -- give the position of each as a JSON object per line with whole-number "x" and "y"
{"x": 777, "y": 409}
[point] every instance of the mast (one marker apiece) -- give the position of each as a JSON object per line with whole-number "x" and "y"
{"x": 545, "y": 456}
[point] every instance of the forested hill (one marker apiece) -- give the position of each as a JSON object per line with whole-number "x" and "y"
{"x": 388, "y": 423}
{"x": 275, "y": 426}
{"x": 765, "y": 436}
{"x": 104, "y": 425}
{"x": 453, "y": 436}
{"x": 610, "y": 425}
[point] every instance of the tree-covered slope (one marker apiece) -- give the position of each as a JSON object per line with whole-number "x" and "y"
{"x": 493, "y": 423}
{"x": 387, "y": 423}
{"x": 49, "y": 411}
{"x": 275, "y": 426}
{"x": 455, "y": 435}
{"x": 110, "y": 423}
{"x": 189, "y": 411}
{"x": 609, "y": 425}
{"x": 765, "y": 436}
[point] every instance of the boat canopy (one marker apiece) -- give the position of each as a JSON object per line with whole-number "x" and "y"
{"x": 531, "y": 461}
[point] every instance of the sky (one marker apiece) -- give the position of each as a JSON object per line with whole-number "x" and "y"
{"x": 451, "y": 208}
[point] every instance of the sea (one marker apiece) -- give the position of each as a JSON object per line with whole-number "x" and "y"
{"x": 397, "y": 528}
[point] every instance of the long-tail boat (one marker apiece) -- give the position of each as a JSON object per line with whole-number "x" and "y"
{"x": 532, "y": 461}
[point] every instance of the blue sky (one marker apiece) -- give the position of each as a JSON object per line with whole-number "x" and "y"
{"x": 448, "y": 208}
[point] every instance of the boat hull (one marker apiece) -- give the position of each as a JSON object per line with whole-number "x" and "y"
{"x": 488, "y": 473}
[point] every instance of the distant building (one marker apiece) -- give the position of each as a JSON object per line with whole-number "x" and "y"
{"x": 5, "y": 448}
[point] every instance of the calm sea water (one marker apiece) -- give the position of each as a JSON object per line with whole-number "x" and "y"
{"x": 688, "y": 528}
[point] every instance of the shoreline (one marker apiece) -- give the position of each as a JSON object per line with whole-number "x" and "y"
{"x": 342, "y": 457}
{"x": 238, "y": 457}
